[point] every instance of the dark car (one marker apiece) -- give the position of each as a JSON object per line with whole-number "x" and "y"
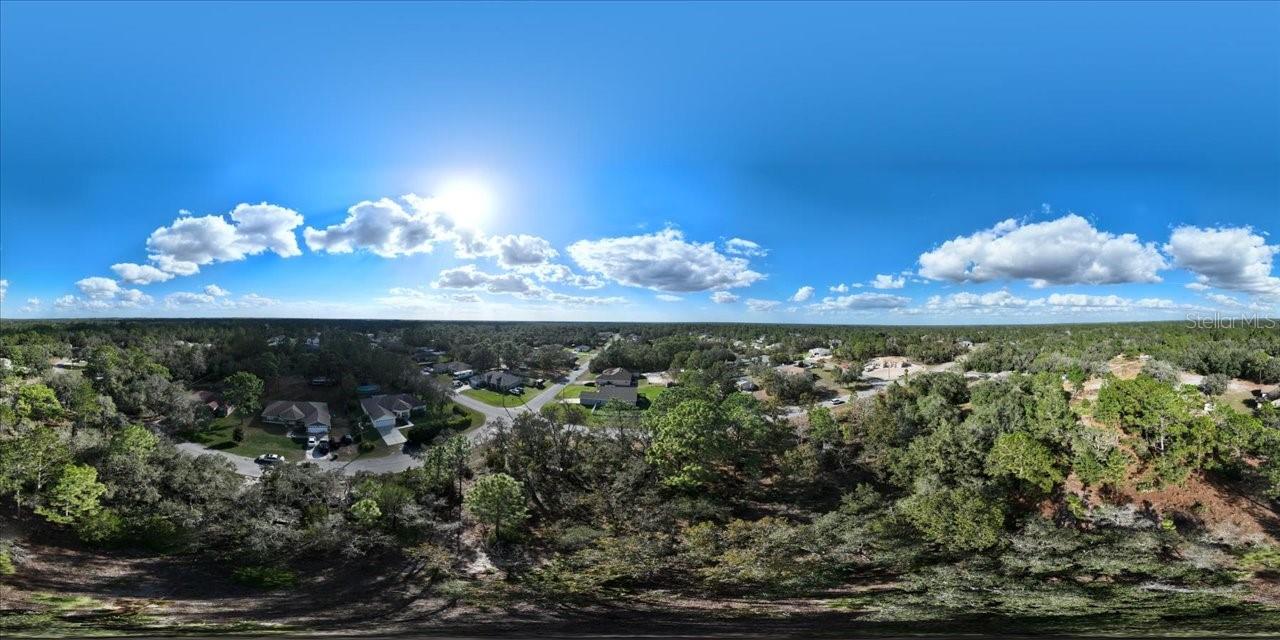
{"x": 269, "y": 458}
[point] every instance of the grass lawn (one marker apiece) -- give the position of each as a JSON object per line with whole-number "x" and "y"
{"x": 259, "y": 438}
{"x": 573, "y": 391}
{"x": 651, "y": 391}
{"x": 502, "y": 399}
{"x": 476, "y": 417}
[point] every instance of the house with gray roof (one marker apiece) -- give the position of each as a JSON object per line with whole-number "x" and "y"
{"x": 307, "y": 418}
{"x": 617, "y": 377}
{"x": 496, "y": 380}
{"x": 603, "y": 395}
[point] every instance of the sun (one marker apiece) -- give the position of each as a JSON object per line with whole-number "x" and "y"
{"x": 468, "y": 201}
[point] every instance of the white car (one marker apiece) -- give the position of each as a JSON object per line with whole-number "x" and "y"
{"x": 311, "y": 442}
{"x": 269, "y": 458}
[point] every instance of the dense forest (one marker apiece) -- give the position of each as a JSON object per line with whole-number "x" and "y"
{"x": 1058, "y": 494}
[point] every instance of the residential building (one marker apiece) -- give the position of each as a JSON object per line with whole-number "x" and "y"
{"x": 385, "y": 409}
{"x": 215, "y": 403}
{"x": 308, "y": 418}
{"x": 603, "y": 395}
{"x": 496, "y": 380}
{"x": 617, "y": 377}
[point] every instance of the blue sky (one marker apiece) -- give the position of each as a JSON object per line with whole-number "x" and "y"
{"x": 909, "y": 163}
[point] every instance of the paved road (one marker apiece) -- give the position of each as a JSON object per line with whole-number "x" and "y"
{"x": 400, "y": 461}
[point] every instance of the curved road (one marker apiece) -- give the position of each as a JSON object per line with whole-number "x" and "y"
{"x": 245, "y": 466}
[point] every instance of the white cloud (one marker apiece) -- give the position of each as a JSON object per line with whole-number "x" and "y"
{"x": 191, "y": 242}
{"x": 140, "y": 273}
{"x": 551, "y": 272}
{"x": 1006, "y": 302}
{"x": 32, "y": 305}
{"x": 384, "y": 228}
{"x": 101, "y": 294}
{"x": 1233, "y": 258}
{"x": 1198, "y": 286}
{"x": 740, "y": 247}
{"x": 966, "y": 300}
{"x": 802, "y": 294}
{"x": 663, "y": 261}
{"x": 860, "y": 301}
{"x": 839, "y": 288}
{"x": 469, "y": 277}
{"x": 762, "y": 306}
{"x": 4, "y": 288}
{"x": 723, "y": 297}
{"x": 98, "y": 288}
{"x": 187, "y": 298}
{"x": 888, "y": 282}
{"x": 255, "y": 300}
{"x": 666, "y": 297}
{"x": 521, "y": 250}
{"x": 1067, "y": 250}
{"x": 216, "y": 291}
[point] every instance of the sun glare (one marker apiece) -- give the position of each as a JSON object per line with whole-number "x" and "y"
{"x": 469, "y": 202}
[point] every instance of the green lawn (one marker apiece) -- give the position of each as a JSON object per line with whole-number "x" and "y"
{"x": 502, "y": 399}
{"x": 259, "y": 438}
{"x": 573, "y": 391}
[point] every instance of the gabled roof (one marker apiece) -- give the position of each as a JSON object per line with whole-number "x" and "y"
{"x": 298, "y": 411}
{"x": 615, "y": 375}
{"x": 389, "y": 404}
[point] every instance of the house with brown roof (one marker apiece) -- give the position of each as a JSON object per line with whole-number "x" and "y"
{"x": 306, "y": 418}
{"x": 215, "y": 403}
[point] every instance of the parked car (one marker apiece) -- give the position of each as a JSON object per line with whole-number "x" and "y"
{"x": 515, "y": 391}
{"x": 346, "y": 440}
{"x": 457, "y": 383}
{"x": 837, "y": 402}
{"x": 311, "y": 442}
{"x": 323, "y": 447}
{"x": 269, "y": 458}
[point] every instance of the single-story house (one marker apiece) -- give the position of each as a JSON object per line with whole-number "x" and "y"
{"x": 313, "y": 417}
{"x": 617, "y": 377}
{"x": 385, "y": 409}
{"x": 746, "y": 384}
{"x": 819, "y": 352}
{"x": 582, "y": 348}
{"x": 602, "y": 396}
{"x": 791, "y": 370}
{"x": 215, "y": 403}
{"x": 452, "y": 368}
{"x": 496, "y": 380}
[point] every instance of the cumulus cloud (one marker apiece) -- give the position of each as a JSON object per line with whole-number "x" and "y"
{"x": 888, "y": 282}
{"x": 101, "y": 294}
{"x": 384, "y": 228}
{"x": 740, "y": 247}
{"x": 216, "y": 291}
{"x": 844, "y": 288}
{"x": 755, "y": 304}
{"x": 1233, "y": 258}
{"x": 193, "y": 241}
{"x": 98, "y": 288}
{"x": 860, "y": 301}
{"x": 723, "y": 297}
{"x": 1004, "y": 302}
{"x": 469, "y": 277}
{"x": 140, "y": 273}
{"x": 803, "y": 294}
{"x": 187, "y": 298}
{"x": 1068, "y": 250}
{"x": 663, "y": 261}
{"x": 522, "y": 250}
{"x": 32, "y": 304}
{"x": 666, "y": 297}
{"x": 551, "y": 272}
{"x": 4, "y": 288}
